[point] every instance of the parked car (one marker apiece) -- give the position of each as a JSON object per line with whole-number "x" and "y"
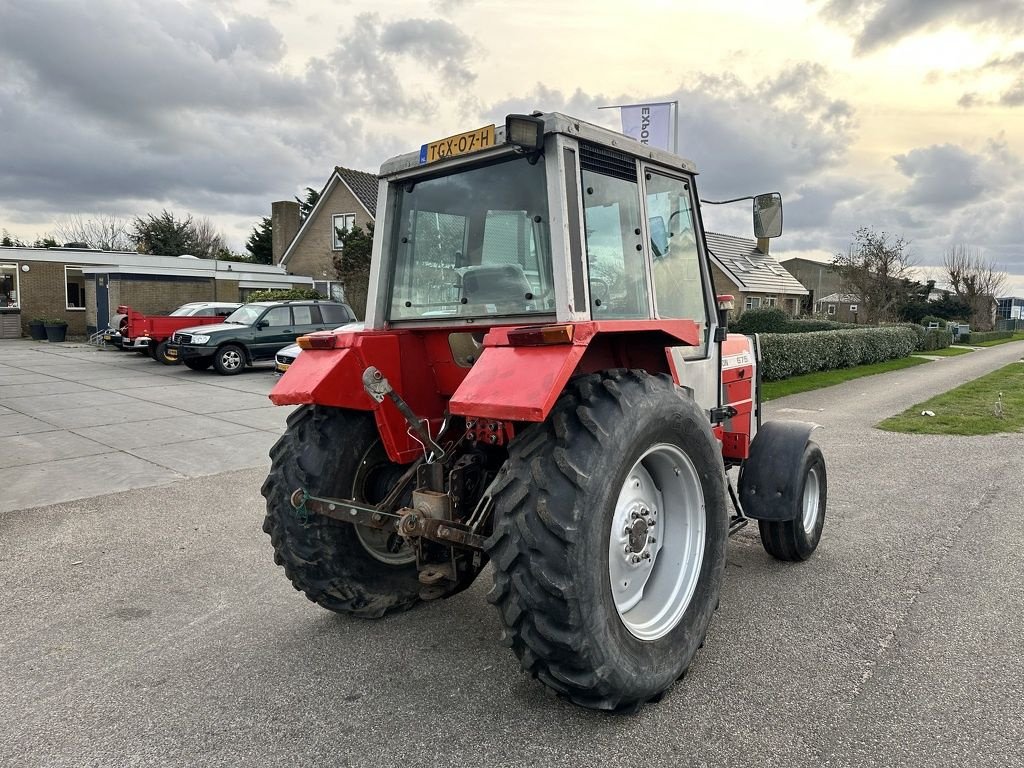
{"x": 284, "y": 358}
{"x": 148, "y": 334}
{"x": 254, "y": 332}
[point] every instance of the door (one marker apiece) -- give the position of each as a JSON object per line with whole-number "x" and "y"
{"x": 273, "y": 331}
{"x": 102, "y": 303}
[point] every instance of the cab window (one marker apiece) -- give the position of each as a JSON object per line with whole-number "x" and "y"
{"x": 278, "y": 317}
{"x": 611, "y": 210}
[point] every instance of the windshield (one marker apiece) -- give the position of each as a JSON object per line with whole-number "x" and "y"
{"x": 186, "y": 309}
{"x": 475, "y": 243}
{"x": 245, "y": 315}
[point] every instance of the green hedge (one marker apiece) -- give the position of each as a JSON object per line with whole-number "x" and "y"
{"x": 929, "y": 339}
{"x": 976, "y": 337}
{"x": 775, "y": 320}
{"x": 790, "y": 354}
{"x": 284, "y": 294}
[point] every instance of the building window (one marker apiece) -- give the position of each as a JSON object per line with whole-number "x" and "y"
{"x": 769, "y": 301}
{"x": 831, "y": 309}
{"x": 330, "y": 289}
{"x": 8, "y": 285}
{"x": 342, "y": 221}
{"x": 752, "y": 302}
{"x": 74, "y": 287}
{"x": 853, "y": 307}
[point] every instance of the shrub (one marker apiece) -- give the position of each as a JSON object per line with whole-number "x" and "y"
{"x": 928, "y": 338}
{"x": 790, "y": 354}
{"x": 775, "y": 320}
{"x": 284, "y": 294}
{"x": 976, "y": 337}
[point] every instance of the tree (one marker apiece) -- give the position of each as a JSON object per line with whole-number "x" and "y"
{"x": 209, "y": 241}
{"x": 165, "y": 235}
{"x": 104, "y": 232}
{"x": 46, "y": 241}
{"x": 306, "y": 205}
{"x": 260, "y": 244}
{"x": 7, "y": 240}
{"x": 352, "y": 265}
{"x": 976, "y": 281}
{"x": 876, "y": 267}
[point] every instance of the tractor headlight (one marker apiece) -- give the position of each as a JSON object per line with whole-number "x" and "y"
{"x": 200, "y": 339}
{"x": 525, "y": 130}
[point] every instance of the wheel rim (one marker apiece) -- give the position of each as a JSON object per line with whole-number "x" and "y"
{"x": 656, "y": 546}
{"x": 812, "y": 498}
{"x": 373, "y": 480}
{"x": 230, "y": 359}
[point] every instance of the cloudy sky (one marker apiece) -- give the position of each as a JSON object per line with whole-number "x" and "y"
{"x": 901, "y": 115}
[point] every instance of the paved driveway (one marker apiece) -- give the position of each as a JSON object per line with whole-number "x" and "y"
{"x": 151, "y": 627}
{"x": 78, "y": 422}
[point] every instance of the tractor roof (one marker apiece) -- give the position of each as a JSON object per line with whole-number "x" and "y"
{"x": 554, "y": 122}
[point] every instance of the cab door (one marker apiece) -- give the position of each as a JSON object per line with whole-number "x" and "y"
{"x": 273, "y": 331}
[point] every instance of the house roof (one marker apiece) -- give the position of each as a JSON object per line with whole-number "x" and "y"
{"x": 361, "y": 184}
{"x": 840, "y": 298}
{"x": 749, "y": 268}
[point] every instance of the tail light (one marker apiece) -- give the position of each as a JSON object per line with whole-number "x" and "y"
{"x": 317, "y": 341}
{"x": 540, "y": 335}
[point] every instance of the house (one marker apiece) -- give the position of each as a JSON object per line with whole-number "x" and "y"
{"x": 840, "y": 307}
{"x": 84, "y": 286}
{"x": 818, "y": 277}
{"x": 755, "y": 278}
{"x": 349, "y": 198}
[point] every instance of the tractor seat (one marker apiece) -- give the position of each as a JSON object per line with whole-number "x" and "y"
{"x": 503, "y": 285}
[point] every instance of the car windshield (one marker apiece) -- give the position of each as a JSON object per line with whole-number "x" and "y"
{"x": 245, "y": 315}
{"x": 185, "y": 310}
{"x": 475, "y": 243}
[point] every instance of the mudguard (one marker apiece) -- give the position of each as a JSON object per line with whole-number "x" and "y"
{"x": 771, "y": 478}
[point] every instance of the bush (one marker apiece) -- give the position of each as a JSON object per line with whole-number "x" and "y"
{"x": 775, "y": 320}
{"x": 284, "y": 294}
{"x": 928, "y": 339}
{"x": 977, "y": 337}
{"x": 790, "y": 354}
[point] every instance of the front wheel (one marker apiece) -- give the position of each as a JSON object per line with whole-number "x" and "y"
{"x": 609, "y": 540}
{"x": 161, "y": 354}
{"x": 797, "y": 539}
{"x": 229, "y": 360}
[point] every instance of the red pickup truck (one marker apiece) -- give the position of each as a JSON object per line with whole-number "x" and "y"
{"x": 149, "y": 333}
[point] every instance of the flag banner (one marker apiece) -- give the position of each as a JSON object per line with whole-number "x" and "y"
{"x": 649, "y": 124}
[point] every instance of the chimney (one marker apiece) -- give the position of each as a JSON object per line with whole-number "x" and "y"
{"x": 284, "y": 225}
{"x": 762, "y": 243}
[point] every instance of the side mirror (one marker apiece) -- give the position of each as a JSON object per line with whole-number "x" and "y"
{"x": 262, "y": 324}
{"x": 768, "y": 215}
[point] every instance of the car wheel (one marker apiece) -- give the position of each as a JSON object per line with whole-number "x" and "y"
{"x": 229, "y": 360}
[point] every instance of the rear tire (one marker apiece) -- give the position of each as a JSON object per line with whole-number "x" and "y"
{"x": 322, "y": 451}
{"x": 197, "y": 363}
{"x": 161, "y": 354}
{"x": 557, "y": 543}
{"x": 797, "y": 539}
{"x": 229, "y": 360}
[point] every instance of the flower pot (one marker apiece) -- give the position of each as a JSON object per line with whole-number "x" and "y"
{"x": 36, "y": 330}
{"x": 56, "y": 332}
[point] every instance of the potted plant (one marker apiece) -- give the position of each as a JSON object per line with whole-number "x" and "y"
{"x": 56, "y": 330}
{"x": 36, "y": 329}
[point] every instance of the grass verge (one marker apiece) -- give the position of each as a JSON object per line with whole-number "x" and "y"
{"x": 1016, "y": 337}
{"x": 947, "y": 352}
{"x": 970, "y": 409}
{"x": 808, "y": 381}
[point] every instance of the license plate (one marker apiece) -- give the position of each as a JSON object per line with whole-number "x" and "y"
{"x": 107, "y": 337}
{"x": 281, "y": 367}
{"x": 460, "y": 144}
{"x": 171, "y": 354}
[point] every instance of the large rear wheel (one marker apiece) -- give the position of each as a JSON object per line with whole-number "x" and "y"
{"x": 342, "y": 567}
{"x": 609, "y": 539}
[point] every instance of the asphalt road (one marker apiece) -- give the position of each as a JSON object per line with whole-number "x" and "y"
{"x": 150, "y": 627}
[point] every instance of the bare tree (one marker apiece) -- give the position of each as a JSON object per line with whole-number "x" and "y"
{"x": 105, "y": 232}
{"x": 976, "y": 281}
{"x": 877, "y": 268}
{"x": 209, "y": 241}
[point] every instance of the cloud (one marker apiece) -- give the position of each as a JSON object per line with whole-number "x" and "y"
{"x": 880, "y": 23}
{"x": 124, "y": 106}
{"x": 1012, "y": 94}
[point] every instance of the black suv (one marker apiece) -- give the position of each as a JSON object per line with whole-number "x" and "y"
{"x": 254, "y": 332}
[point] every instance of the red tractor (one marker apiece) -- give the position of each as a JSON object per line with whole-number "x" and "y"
{"x": 544, "y": 382}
